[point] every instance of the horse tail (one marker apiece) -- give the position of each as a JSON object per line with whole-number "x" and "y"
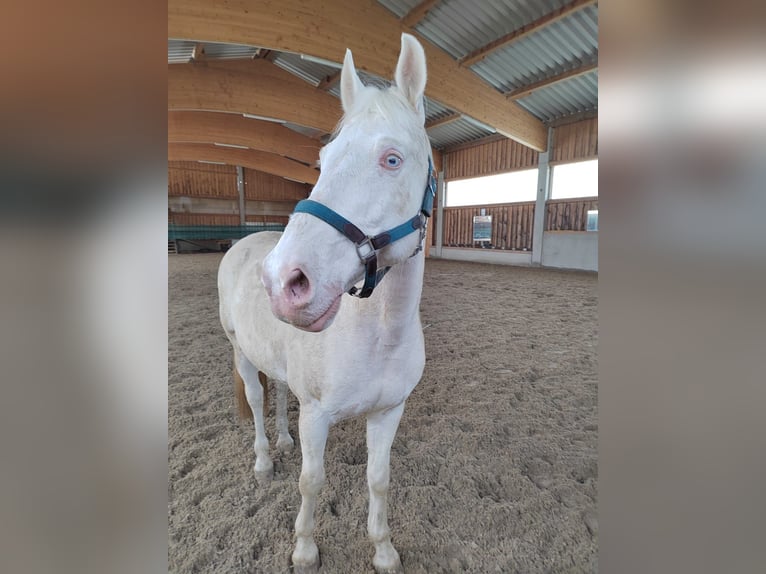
{"x": 239, "y": 392}
{"x": 243, "y": 406}
{"x": 265, "y": 384}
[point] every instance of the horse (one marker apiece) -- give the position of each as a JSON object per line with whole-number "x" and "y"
{"x": 295, "y": 310}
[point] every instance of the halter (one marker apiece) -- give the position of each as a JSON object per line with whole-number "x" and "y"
{"x": 367, "y": 246}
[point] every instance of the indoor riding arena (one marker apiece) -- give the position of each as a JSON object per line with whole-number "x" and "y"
{"x": 494, "y": 467}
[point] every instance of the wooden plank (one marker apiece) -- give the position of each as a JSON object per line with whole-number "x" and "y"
{"x": 370, "y": 31}
{"x": 446, "y": 120}
{"x": 417, "y": 13}
{"x": 528, "y": 89}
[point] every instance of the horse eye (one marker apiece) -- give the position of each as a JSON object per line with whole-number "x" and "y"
{"x": 393, "y": 161}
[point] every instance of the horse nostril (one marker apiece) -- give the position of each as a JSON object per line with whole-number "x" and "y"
{"x": 297, "y": 286}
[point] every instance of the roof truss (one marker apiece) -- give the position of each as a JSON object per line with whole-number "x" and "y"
{"x": 373, "y": 34}
{"x": 215, "y": 127}
{"x": 253, "y": 159}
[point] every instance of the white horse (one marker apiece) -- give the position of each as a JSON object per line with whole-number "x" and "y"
{"x": 349, "y": 355}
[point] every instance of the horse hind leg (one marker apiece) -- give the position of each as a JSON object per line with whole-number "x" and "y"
{"x": 284, "y": 441}
{"x": 255, "y": 392}
{"x": 381, "y": 429}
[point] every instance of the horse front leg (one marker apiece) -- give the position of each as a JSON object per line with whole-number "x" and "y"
{"x": 381, "y": 429}
{"x": 313, "y": 427}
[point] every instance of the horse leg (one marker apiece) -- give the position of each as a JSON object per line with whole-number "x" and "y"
{"x": 381, "y": 429}
{"x": 284, "y": 441}
{"x": 264, "y": 468}
{"x": 313, "y": 427}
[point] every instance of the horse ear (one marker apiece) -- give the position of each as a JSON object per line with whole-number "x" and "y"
{"x": 411, "y": 72}
{"x": 350, "y": 84}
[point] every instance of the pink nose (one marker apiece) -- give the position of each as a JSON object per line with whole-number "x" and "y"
{"x": 297, "y": 289}
{"x": 291, "y": 292}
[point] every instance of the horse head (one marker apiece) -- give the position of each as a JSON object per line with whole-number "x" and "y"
{"x": 367, "y": 201}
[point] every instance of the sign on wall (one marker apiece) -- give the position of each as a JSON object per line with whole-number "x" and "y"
{"x": 592, "y": 224}
{"x": 482, "y": 228}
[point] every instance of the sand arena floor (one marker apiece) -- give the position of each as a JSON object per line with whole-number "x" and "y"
{"x": 494, "y": 467}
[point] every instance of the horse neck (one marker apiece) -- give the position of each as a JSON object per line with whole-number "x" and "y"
{"x": 397, "y": 298}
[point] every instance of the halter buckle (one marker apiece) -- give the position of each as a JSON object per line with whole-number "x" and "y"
{"x": 365, "y": 250}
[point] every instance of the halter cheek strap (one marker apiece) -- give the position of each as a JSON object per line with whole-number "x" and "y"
{"x": 367, "y": 246}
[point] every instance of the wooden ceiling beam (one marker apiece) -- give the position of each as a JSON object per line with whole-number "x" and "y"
{"x": 448, "y": 119}
{"x": 210, "y": 127}
{"x": 524, "y": 91}
{"x": 418, "y": 13}
{"x": 534, "y": 26}
{"x": 374, "y": 36}
{"x": 253, "y": 159}
{"x": 250, "y": 86}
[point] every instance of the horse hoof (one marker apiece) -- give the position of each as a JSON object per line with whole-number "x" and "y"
{"x": 312, "y": 568}
{"x": 264, "y": 477}
{"x": 286, "y": 444}
{"x": 386, "y": 561}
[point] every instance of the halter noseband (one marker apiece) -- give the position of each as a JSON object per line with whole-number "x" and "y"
{"x": 367, "y": 246}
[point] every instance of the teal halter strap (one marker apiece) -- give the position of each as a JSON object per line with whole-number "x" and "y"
{"x": 367, "y": 246}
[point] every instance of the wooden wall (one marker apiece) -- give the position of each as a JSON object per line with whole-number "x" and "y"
{"x": 497, "y": 156}
{"x": 193, "y": 179}
{"x": 568, "y": 214}
{"x": 570, "y": 142}
{"x": 203, "y": 219}
{"x": 213, "y": 198}
{"x": 575, "y": 142}
{"x": 267, "y": 187}
{"x": 511, "y": 225}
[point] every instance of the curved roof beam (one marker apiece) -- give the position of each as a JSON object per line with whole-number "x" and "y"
{"x": 255, "y": 87}
{"x": 326, "y": 29}
{"x": 253, "y": 159}
{"x": 210, "y": 127}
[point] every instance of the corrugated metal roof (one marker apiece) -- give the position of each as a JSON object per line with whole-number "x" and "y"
{"x": 460, "y": 131}
{"x": 309, "y": 71}
{"x": 400, "y": 7}
{"x": 180, "y": 51}
{"x": 552, "y": 50}
{"x": 569, "y": 97}
{"x": 461, "y": 26}
{"x": 435, "y": 111}
{"x": 216, "y": 51}
{"x": 306, "y": 131}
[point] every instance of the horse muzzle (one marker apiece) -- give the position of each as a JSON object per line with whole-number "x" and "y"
{"x": 294, "y": 299}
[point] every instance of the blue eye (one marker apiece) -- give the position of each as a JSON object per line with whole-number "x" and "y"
{"x": 393, "y": 161}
